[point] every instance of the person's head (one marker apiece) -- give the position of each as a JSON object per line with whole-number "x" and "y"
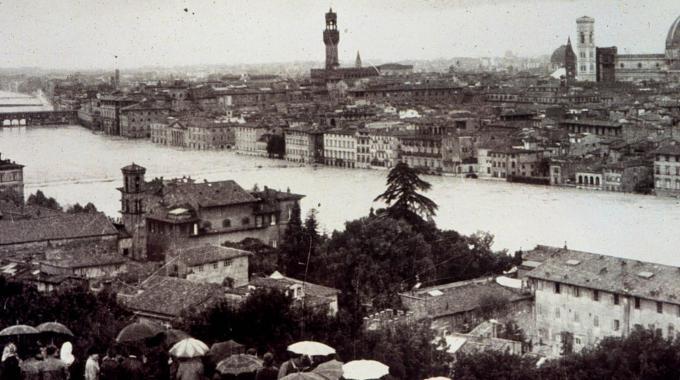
{"x": 51, "y": 351}
{"x": 93, "y": 353}
{"x": 268, "y": 359}
{"x": 9, "y": 351}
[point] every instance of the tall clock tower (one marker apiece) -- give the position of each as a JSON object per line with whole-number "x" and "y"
{"x": 331, "y": 38}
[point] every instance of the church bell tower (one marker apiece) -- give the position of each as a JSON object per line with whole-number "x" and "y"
{"x": 331, "y": 38}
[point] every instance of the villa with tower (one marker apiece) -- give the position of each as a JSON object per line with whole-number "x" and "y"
{"x": 163, "y": 215}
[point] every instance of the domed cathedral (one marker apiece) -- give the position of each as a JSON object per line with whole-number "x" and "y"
{"x": 657, "y": 67}
{"x": 564, "y": 58}
{"x": 673, "y": 45}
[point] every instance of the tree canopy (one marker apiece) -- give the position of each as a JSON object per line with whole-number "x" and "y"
{"x": 402, "y": 194}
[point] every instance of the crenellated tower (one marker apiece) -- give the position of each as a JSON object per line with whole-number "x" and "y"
{"x": 331, "y": 38}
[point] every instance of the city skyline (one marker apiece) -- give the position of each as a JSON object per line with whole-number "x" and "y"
{"x": 103, "y": 35}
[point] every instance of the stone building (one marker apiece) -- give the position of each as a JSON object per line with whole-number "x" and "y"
{"x": 27, "y": 237}
{"x": 110, "y": 106}
{"x": 340, "y": 147}
{"x": 304, "y": 294}
{"x": 594, "y": 296}
{"x": 11, "y": 177}
{"x": 210, "y": 264}
{"x": 460, "y": 306}
{"x": 136, "y": 119}
{"x": 247, "y": 138}
{"x": 667, "y": 169}
{"x": 422, "y": 151}
{"x": 168, "y": 215}
{"x": 304, "y": 144}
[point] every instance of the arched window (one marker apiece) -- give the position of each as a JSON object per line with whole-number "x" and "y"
{"x": 583, "y": 38}
{"x": 597, "y": 181}
{"x": 245, "y": 221}
{"x": 226, "y": 223}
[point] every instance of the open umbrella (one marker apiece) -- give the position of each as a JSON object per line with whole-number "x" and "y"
{"x": 19, "y": 330}
{"x": 331, "y": 370}
{"x": 189, "y": 348}
{"x": 311, "y": 348}
{"x": 54, "y": 327}
{"x": 238, "y": 364}
{"x": 138, "y": 331}
{"x": 364, "y": 370}
{"x": 173, "y": 336}
{"x": 304, "y": 376}
{"x": 221, "y": 350}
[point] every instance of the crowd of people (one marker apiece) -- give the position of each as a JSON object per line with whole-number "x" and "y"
{"x": 130, "y": 362}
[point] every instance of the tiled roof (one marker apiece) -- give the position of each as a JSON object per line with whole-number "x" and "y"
{"x": 64, "y": 226}
{"x": 608, "y": 273}
{"x": 206, "y": 194}
{"x": 670, "y": 148}
{"x": 169, "y": 296}
{"x": 209, "y": 254}
{"x": 283, "y": 283}
{"x": 464, "y": 296}
{"x": 83, "y": 261}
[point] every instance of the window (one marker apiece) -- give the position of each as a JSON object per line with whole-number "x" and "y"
{"x": 617, "y": 325}
{"x": 659, "y": 307}
{"x": 596, "y": 295}
{"x": 637, "y": 302}
{"x": 671, "y": 331}
{"x": 557, "y": 288}
{"x": 245, "y": 221}
{"x": 200, "y": 268}
{"x": 226, "y": 223}
{"x": 616, "y": 299}
{"x": 577, "y": 291}
{"x": 215, "y": 265}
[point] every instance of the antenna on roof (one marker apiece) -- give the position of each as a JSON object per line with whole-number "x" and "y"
{"x": 565, "y": 245}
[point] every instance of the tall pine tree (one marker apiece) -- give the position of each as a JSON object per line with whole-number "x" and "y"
{"x": 402, "y": 194}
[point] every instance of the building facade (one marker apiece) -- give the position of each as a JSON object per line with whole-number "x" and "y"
{"x": 585, "y": 49}
{"x": 12, "y": 177}
{"x": 136, "y": 119}
{"x": 595, "y": 296}
{"x": 340, "y": 147}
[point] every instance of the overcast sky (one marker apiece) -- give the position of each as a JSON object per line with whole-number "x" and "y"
{"x": 103, "y": 34}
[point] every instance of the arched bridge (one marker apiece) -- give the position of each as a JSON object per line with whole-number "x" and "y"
{"x": 9, "y": 119}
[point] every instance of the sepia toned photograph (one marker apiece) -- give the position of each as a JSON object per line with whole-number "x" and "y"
{"x": 339, "y": 190}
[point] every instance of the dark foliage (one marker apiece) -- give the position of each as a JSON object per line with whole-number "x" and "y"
{"x": 78, "y": 209}
{"x": 94, "y": 318}
{"x": 39, "y": 199}
{"x": 402, "y": 194}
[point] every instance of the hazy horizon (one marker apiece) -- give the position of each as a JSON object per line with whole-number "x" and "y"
{"x": 101, "y": 35}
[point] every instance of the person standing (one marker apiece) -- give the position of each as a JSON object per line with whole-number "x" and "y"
{"x": 92, "y": 366}
{"x": 110, "y": 368}
{"x": 53, "y": 368}
{"x": 132, "y": 367}
{"x": 268, "y": 370}
{"x": 30, "y": 368}
{"x": 9, "y": 368}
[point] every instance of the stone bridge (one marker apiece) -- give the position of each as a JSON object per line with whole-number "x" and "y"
{"x": 11, "y": 119}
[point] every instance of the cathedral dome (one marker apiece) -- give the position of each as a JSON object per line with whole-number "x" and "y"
{"x": 673, "y": 39}
{"x": 557, "y": 57}
{"x": 673, "y": 43}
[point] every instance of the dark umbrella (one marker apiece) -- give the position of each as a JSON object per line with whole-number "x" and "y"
{"x": 54, "y": 327}
{"x": 173, "y": 336}
{"x": 138, "y": 331}
{"x": 221, "y": 350}
{"x": 19, "y": 330}
{"x": 238, "y": 364}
